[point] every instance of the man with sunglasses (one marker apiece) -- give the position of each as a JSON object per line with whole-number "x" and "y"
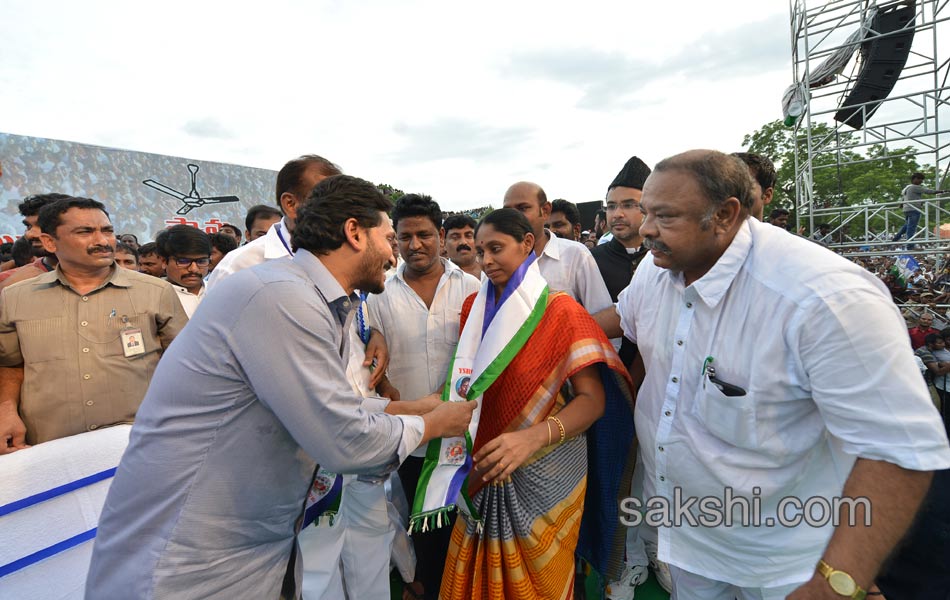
{"x": 187, "y": 254}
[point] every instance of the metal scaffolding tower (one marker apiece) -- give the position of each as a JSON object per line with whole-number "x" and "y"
{"x": 915, "y": 114}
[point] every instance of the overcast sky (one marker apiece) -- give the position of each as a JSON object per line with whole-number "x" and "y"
{"x": 450, "y": 99}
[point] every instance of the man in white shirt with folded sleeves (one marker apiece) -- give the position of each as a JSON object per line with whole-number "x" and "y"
{"x": 419, "y": 314}
{"x": 826, "y": 405}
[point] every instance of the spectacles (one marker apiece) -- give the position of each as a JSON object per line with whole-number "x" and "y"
{"x": 184, "y": 263}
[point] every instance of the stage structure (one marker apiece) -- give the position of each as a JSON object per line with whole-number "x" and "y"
{"x": 872, "y": 80}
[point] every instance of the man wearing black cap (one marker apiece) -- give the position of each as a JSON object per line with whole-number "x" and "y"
{"x": 618, "y": 258}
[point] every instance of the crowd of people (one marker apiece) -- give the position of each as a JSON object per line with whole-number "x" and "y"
{"x": 348, "y": 369}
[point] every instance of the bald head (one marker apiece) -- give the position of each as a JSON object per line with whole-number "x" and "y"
{"x": 531, "y": 201}
{"x": 526, "y": 190}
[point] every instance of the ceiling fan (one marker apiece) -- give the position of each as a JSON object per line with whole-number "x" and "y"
{"x": 193, "y": 199}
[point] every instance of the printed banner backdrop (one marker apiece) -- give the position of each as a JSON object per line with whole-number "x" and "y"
{"x": 144, "y": 193}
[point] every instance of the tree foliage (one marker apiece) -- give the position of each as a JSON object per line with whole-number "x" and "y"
{"x": 390, "y": 192}
{"x": 843, "y": 175}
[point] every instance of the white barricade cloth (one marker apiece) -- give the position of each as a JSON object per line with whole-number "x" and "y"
{"x": 50, "y": 499}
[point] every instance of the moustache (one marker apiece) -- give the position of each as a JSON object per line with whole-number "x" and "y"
{"x": 652, "y": 244}
{"x": 618, "y": 222}
{"x": 461, "y": 247}
{"x": 94, "y": 249}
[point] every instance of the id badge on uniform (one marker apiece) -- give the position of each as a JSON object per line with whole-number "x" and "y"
{"x": 132, "y": 343}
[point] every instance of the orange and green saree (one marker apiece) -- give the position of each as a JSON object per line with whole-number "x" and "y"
{"x": 566, "y": 497}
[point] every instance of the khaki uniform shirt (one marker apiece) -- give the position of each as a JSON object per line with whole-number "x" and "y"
{"x": 76, "y": 375}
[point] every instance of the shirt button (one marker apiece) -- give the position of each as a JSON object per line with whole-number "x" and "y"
{"x": 85, "y": 350}
{"x": 92, "y": 427}
{"x": 90, "y": 403}
{"x": 85, "y": 298}
{"x": 84, "y": 323}
{"x": 662, "y": 478}
{"x": 668, "y": 413}
{"x": 661, "y": 447}
{"x": 87, "y": 376}
{"x": 675, "y": 380}
{"x": 679, "y": 342}
{"x": 689, "y": 305}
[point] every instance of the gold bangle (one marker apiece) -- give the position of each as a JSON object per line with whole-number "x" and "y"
{"x": 560, "y": 428}
{"x": 548, "y": 422}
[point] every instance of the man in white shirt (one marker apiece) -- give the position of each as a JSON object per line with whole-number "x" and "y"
{"x": 566, "y": 265}
{"x": 419, "y": 315}
{"x": 187, "y": 254}
{"x": 774, "y": 417}
{"x": 294, "y": 182}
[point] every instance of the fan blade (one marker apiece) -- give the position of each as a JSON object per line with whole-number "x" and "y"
{"x": 164, "y": 189}
{"x": 220, "y": 199}
{"x": 186, "y": 208}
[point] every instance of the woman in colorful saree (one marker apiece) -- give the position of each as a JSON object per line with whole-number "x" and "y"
{"x": 553, "y": 450}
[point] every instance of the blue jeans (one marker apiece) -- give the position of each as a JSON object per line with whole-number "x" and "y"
{"x": 910, "y": 226}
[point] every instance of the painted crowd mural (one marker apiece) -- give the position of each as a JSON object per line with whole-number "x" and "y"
{"x": 143, "y": 192}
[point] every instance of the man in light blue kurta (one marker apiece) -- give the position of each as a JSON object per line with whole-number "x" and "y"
{"x": 210, "y": 493}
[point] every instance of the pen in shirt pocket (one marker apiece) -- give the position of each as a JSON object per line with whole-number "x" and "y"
{"x": 725, "y": 387}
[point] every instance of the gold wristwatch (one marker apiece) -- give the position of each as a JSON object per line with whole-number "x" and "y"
{"x": 842, "y": 583}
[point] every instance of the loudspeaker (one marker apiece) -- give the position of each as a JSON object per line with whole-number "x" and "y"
{"x": 882, "y": 59}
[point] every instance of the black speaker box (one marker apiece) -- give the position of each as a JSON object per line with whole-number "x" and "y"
{"x": 882, "y": 60}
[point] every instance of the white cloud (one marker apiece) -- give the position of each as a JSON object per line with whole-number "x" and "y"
{"x": 455, "y": 100}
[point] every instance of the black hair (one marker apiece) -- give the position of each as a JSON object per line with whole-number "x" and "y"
{"x": 930, "y": 338}
{"x": 121, "y": 247}
{"x": 601, "y": 213}
{"x": 417, "y": 205}
{"x": 508, "y": 221}
{"x": 917, "y": 176}
{"x": 181, "y": 240}
{"x": 458, "y": 222}
{"x": 258, "y": 211}
{"x": 231, "y": 226}
{"x": 332, "y": 202}
{"x": 31, "y": 205}
{"x": 22, "y": 251}
{"x": 149, "y": 248}
{"x": 569, "y": 209}
{"x": 51, "y": 215}
{"x": 762, "y": 168}
{"x": 289, "y": 176}
{"x": 778, "y": 212}
{"x": 223, "y": 242}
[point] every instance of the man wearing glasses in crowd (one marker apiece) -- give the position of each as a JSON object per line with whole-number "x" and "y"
{"x": 187, "y": 253}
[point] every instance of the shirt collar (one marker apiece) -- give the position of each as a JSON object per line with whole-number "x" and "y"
{"x": 118, "y": 278}
{"x": 337, "y": 300}
{"x": 712, "y": 286}
{"x": 551, "y": 248}
{"x": 449, "y": 266}
{"x": 273, "y": 245}
{"x": 184, "y": 290}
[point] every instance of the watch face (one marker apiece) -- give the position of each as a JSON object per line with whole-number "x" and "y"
{"x": 842, "y": 583}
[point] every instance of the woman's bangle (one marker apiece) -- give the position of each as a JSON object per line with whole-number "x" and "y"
{"x": 548, "y": 422}
{"x": 560, "y": 428}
